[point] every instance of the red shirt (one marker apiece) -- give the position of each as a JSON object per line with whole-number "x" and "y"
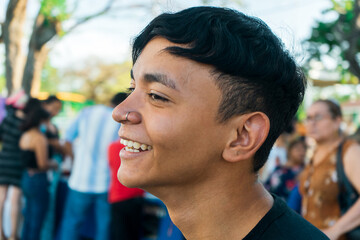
{"x": 117, "y": 191}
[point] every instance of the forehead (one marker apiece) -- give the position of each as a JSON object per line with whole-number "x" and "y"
{"x": 155, "y": 59}
{"x": 193, "y": 81}
{"x": 318, "y": 108}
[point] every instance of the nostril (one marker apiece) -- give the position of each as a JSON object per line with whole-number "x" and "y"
{"x": 132, "y": 117}
{"x": 121, "y": 116}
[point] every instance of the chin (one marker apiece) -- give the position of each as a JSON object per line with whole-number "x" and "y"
{"x": 130, "y": 180}
{"x": 126, "y": 180}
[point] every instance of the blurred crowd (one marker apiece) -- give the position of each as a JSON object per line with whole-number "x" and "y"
{"x": 316, "y": 172}
{"x": 66, "y": 187}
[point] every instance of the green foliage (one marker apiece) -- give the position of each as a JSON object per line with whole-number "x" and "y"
{"x": 332, "y": 39}
{"x": 97, "y": 81}
{"x": 50, "y": 79}
{"x": 301, "y": 113}
{"x": 2, "y": 83}
{"x": 54, "y": 9}
{"x": 343, "y": 6}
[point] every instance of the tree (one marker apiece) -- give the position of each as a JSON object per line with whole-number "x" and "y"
{"x": 55, "y": 19}
{"x": 11, "y": 35}
{"x": 47, "y": 25}
{"x": 97, "y": 81}
{"x": 338, "y": 40}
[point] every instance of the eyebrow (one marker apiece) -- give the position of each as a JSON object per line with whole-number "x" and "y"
{"x": 159, "y": 78}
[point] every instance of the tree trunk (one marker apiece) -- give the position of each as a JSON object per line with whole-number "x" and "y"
{"x": 32, "y": 72}
{"x": 44, "y": 30}
{"x": 12, "y": 36}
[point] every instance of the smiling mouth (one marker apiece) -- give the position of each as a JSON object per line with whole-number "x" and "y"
{"x": 132, "y": 146}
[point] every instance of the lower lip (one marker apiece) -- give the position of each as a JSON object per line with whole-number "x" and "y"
{"x": 125, "y": 155}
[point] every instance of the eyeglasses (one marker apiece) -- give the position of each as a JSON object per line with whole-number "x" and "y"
{"x": 316, "y": 118}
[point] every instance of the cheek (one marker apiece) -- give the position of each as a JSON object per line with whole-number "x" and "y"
{"x": 182, "y": 137}
{"x": 174, "y": 134}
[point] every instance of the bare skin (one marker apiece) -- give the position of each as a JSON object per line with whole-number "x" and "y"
{"x": 200, "y": 168}
{"x": 34, "y": 140}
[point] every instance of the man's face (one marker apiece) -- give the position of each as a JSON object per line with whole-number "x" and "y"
{"x": 176, "y": 102}
{"x": 53, "y": 108}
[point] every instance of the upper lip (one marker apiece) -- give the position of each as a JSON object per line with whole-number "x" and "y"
{"x": 128, "y": 139}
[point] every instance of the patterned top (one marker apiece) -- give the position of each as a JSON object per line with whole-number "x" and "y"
{"x": 320, "y": 191}
{"x": 91, "y": 134}
{"x": 11, "y": 166}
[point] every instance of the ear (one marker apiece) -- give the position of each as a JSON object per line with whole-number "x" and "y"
{"x": 249, "y": 133}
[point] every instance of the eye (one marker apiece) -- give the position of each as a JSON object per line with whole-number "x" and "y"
{"x": 156, "y": 97}
{"x": 130, "y": 90}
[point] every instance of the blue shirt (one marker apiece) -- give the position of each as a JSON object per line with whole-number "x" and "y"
{"x": 91, "y": 134}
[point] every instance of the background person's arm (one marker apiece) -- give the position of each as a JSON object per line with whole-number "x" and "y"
{"x": 41, "y": 153}
{"x": 351, "y": 219}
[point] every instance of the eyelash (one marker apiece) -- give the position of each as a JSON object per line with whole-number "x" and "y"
{"x": 130, "y": 90}
{"x": 156, "y": 97}
{"x": 153, "y": 96}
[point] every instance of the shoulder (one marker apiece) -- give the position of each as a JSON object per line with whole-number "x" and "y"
{"x": 283, "y": 223}
{"x": 39, "y": 138}
{"x": 292, "y": 226}
{"x": 352, "y": 163}
{"x": 351, "y": 150}
{"x": 351, "y": 155}
{"x": 31, "y": 139}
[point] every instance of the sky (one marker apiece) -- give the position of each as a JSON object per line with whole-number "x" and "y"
{"x": 108, "y": 38}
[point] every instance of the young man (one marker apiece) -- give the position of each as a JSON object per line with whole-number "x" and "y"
{"x": 212, "y": 89}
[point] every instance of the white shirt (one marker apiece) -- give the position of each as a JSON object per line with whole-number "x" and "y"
{"x": 91, "y": 134}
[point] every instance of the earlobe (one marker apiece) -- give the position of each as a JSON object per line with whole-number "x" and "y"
{"x": 250, "y": 133}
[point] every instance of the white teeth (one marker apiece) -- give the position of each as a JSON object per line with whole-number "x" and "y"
{"x": 133, "y": 146}
{"x": 136, "y": 145}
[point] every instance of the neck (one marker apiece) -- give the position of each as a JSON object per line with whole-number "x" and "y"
{"x": 330, "y": 142}
{"x": 230, "y": 206}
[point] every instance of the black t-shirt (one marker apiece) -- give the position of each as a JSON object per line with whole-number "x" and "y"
{"x": 282, "y": 223}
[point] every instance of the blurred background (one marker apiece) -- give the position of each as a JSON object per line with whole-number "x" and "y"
{"x": 80, "y": 49}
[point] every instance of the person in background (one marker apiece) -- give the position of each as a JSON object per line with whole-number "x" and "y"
{"x": 93, "y": 131}
{"x": 319, "y": 180}
{"x": 278, "y": 154}
{"x": 126, "y": 203}
{"x": 11, "y": 165}
{"x": 294, "y": 199}
{"x": 284, "y": 178}
{"x": 34, "y": 154}
{"x": 56, "y": 151}
{"x": 53, "y": 105}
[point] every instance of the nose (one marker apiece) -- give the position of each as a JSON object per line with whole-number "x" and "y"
{"x": 123, "y": 114}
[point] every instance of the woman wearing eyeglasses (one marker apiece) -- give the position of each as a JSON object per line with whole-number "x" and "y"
{"x": 319, "y": 184}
